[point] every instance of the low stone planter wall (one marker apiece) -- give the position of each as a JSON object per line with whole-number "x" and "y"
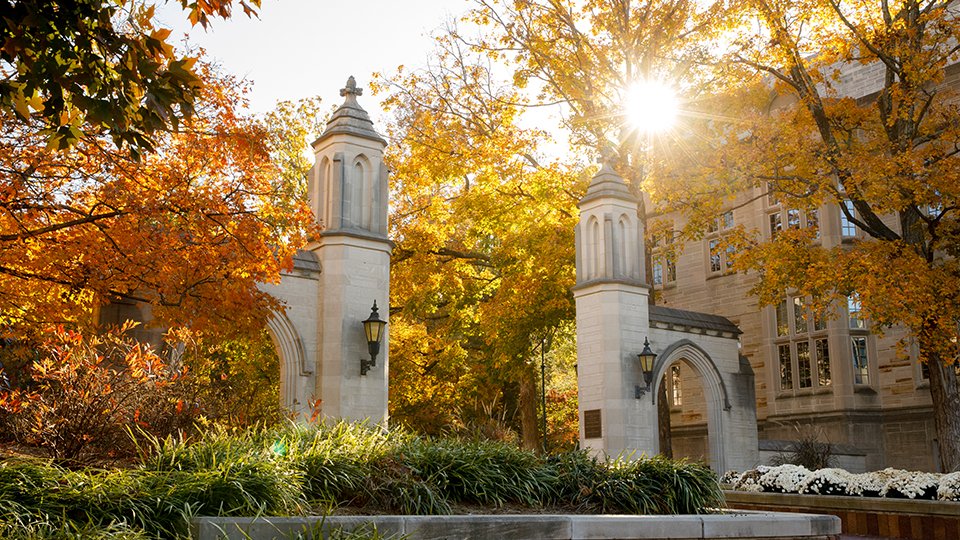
{"x": 873, "y": 516}
{"x": 747, "y": 525}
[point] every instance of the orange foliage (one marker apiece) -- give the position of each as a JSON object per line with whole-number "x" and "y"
{"x": 191, "y": 228}
{"x": 85, "y": 392}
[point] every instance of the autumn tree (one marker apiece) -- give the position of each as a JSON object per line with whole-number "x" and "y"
{"x": 593, "y": 59}
{"x": 484, "y": 263}
{"x": 590, "y": 56}
{"x": 766, "y": 107}
{"x": 792, "y": 123}
{"x": 190, "y": 228}
{"x": 98, "y": 66}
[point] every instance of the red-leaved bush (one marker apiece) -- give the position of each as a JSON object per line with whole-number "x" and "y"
{"x": 95, "y": 393}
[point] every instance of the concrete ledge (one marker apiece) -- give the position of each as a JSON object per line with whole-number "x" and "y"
{"x": 743, "y": 524}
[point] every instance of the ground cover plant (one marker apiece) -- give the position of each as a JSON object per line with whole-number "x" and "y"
{"x": 309, "y": 469}
{"x": 891, "y": 483}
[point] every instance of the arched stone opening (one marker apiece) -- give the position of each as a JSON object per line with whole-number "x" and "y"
{"x": 293, "y": 360}
{"x": 714, "y": 389}
{"x": 682, "y": 414}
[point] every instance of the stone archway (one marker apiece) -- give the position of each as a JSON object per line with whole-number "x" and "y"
{"x": 294, "y": 332}
{"x": 731, "y": 430}
{"x": 293, "y": 359}
{"x": 715, "y": 391}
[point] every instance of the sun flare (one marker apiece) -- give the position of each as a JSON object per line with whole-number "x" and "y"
{"x": 651, "y": 106}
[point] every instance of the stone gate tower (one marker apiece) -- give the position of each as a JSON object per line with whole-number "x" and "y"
{"x": 612, "y": 315}
{"x": 348, "y": 193}
{"x": 335, "y": 281}
{"x": 618, "y": 409}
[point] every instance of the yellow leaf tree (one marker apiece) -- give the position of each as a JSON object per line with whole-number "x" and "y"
{"x": 484, "y": 259}
{"x": 763, "y": 84}
{"x": 787, "y": 122}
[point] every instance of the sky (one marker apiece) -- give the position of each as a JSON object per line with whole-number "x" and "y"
{"x": 302, "y": 48}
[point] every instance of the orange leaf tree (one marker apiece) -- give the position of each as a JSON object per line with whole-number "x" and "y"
{"x": 190, "y": 228}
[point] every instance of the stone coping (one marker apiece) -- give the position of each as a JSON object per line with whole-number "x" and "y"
{"x": 738, "y": 524}
{"x": 845, "y": 502}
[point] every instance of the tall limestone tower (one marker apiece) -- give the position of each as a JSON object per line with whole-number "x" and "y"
{"x": 348, "y": 192}
{"x": 612, "y": 315}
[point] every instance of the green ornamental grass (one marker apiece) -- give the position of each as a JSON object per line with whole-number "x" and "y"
{"x": 300, "y": 469}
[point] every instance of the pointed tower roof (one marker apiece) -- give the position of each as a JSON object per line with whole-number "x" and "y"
{"x": 350, "y": 118}
{"x": 607, "y": 183}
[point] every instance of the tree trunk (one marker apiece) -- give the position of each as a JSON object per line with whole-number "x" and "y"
{"x": 529, "y": 401}
{"x": 663, "y": 418}
{"x": 946, "y": 409}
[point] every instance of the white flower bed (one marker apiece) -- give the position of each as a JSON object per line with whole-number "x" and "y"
{"x": 894, "y": 483}
{"x": 949, "y": 489}
{"x": 827, "y": 482}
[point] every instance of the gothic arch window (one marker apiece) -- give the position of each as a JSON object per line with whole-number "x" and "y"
{"x": 593, "y": 248}
{"x": 322, "y": 207}
{"x": 377, "y": 204}
{"x": 625, "y": 247}
{"x": 356, "y": 197}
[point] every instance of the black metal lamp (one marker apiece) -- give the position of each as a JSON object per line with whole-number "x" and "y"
{"x": 373, "y": 329}
{"x": 646, "y": 358}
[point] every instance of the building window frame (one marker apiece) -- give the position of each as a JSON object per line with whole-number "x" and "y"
{"x": 663, "y": 268}
{"x": 675, "y": 386}
{"x": 848, "y": 229}
{"x": 859, "y": 342}
{"x": 801, "y": 348}
{"x": 860, "y": 360}
{"x": 719, "y": 258}
{"x": 784, "y": 218}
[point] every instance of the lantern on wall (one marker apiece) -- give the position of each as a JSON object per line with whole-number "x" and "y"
{"x": 373, "y": 328}
{"x": 647, "y": 358}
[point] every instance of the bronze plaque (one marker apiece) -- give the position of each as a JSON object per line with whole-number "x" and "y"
{"x": 592, "y": 428}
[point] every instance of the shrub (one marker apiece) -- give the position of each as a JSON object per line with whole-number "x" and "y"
{"x": 71, "y": 531}
{"x": 230, "y": 473}
{"x": 949, "y": 488}
{"x": 86, "y": 392}
{"x": 577, "y": 476}
{"x": 24, "y": 488}
{"x": 621, "y": 490}
{"x": 278, "y": 471}
{"x": 911, "y": 485}
{"x": 891, "y": 483}
{"x": 783, "y": 479}
{"x": 334, "y": 459}
{"x": 396, "y": 491}
{"x": 827, "y": 482}
{"x": 684, "y": 487}
{"x": 807, "y": 451}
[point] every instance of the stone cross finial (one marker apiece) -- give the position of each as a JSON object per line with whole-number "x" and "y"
{"x": 351, "y": 89}
{"x": 608, "y": 156}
